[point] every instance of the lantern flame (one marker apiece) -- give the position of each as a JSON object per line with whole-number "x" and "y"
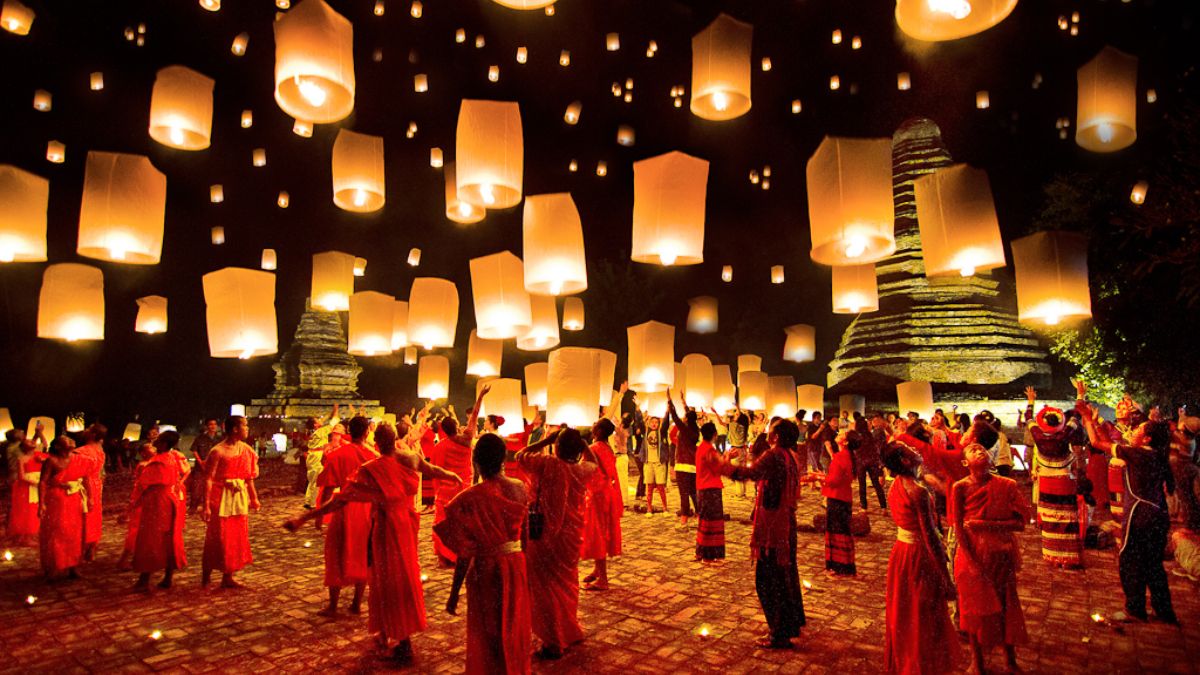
{"x": 1104, "y": 132}
{"x": 6, "y": 254}
{"x": 8, "y": 556}
{"x": 360, "y": 198}
{"x": 176, "y": 135}
{"x": 464, "y": 209}
{"x": 855, "y": 247}
{"x": 311, "y": 91}
{"x": 720, "y": 101}
{"x": 488, "y": 193}
{"x": 967, "y": 271}
{"x": 959, "y": 9}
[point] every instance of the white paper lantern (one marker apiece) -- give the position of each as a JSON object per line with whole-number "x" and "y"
{"x": 850, "y": 208}
{"x": 959, "y": 231}
{"x": 490, "y": 154}
{"x": 721, "y": 69}
{"x": 810, "y": 398}
{"x": 669, "y": 194}
{"x": 698, "y": 371}
{"x": 269, "y": 260}
{"x": 651, "y": 356}
{"x": 724, "y": 393}
{"x": 543, "y": 333}
{"x": 71, "y": 303}
{"x": 458, "y": 210}
{"x": 432, "y": 312}
{"x": 801, "y": 344}
{"x": 572, "y": 383}
{"x": 702, "y": 315}
{"x": 483, "y": 356}
{"x": 781, "y": 396}
{"x": 504, "y": 400}
{"x": 122, "y": 211}
{"x": 358, "y": 180}
{"x": 181, "y": 108}
{"x": 314, "y": 63}
{"x": 939, "y": 20}
{"x": 433, "y": 377}
{"x": 747, "y": 362}
{"x": 371, "y": 323}
{"x": 24, "y": 200}
{"x": 240, "y": 311}
{"x": 1051, "y": 272}
{"x": 555, "y": 263}
{"x": 332, "y": 281}
{"x": 752, "y": 390}
{"x": 502, "y": 306}
{"x": 572, "y": 314}
{"x": 535, "y": 384}
{"x": 152, "y": 315}
{"x": 855, "y": 289}
{"x": 1106, "y": 119}
{"x": 915, "y": 397}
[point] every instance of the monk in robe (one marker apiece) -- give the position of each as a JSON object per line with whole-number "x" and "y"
{"x": 602, "y": 515}
{"x": 146, "y": 452}
{"x": 346, "y": 540}
{"x": 23, "y": 523}
{"x": 558, "y": 491}
{"x": 61, "y": 508}
{"x": 985, "y": 511}
{"x": 396, "y": 605}
{"x": 454, "y": 455}
{"x": 93, "y": 449}
{"x": 162, "y": 509}
{"x": 428, "y": 487}
{"x": 483, "y": 523}
{"x": 231, "y": 469}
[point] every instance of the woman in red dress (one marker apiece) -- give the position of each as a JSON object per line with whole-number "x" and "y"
{"x": 602, "y": 516}
{"x": 231, "y": 469}
{"x": 23, "y": 523}
{"x": 839, "y": 502}
{"x": 61, "y": 509}
{"x": 161, "y": 510}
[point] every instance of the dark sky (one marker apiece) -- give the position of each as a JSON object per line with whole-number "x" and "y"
{"x": 172, "y": 377}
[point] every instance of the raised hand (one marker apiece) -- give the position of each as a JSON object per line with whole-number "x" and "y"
{"x": 1030, "y": 394}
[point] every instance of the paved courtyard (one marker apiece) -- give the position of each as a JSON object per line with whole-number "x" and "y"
{"x": 649, "y": 621}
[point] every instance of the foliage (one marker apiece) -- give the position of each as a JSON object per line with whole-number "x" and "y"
{"x": 1097, "y": 366}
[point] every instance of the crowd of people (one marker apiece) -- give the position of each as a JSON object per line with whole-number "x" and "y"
{"x": 520, "y": 512}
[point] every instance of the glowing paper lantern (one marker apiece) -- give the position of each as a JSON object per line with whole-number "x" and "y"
{"x": 433, "y": 377}
{"x": 553, "y": 245}
{"x": 218, "y": 235}
{"x": 727, "y": 273}
{"x": 484, "y": 356}
{"x": 56, "y": 152}
{"x": 535, "y": 384}
{"x": 6, "y": 423}
{"x": 915, "y": 397}
{"x": 314, "y": 63}
{"x": 572, "y": 382}
{"x": 612, "y": 42}
{"x": 747, "y": 362}
{"x": 504, "y": 399}
{"x": 522, "y": 55}
{"x": 1138, "y": 194}
{"x": 360, "y": 267}
{"x": 71, "y": 303}
{"x": 543, "y": 333}
{"x": 811, "y": 398}
{"x": 669, "y": 194}
{"x": 852, "y": 403}
{"x": 24, "y": 199}
{"x": 358, "y": 183}
{"x": 42, "y": 100}
{"x": 654, "y": 404}
{"x": 371, "y": 323}
{"x": 96, "y": 81}
{"x": 781, "y": 396}
{"x": 16, "y": 18}
{"x": 211, "y": 5}
{"x": 571, "y": 116}
{"x": 302, "y": 128}
{"x": 399, "y": 325}
{"x": 458, "y": 210}
{"x": 982, "y": 100}
{"x": 269, "y": 259}
{"x": 414, "y": 257}
{"x": 801, "y": 344}
{"x": 903, "y": 81}
{"x": 490, "y": 153}
{"x": 702, "y": 315}
{"x": 216, "y": 194}
{"x": 432, "y": 312}
{"x": 777, "y": 276}
{"x": 258, "y": 157}
{"x": 938, "y": 20}
{"x": 651, "y": 356}
{"x": 855, "y": 289}
{"x": 181, "y": 108}
{"x": 625, "y": 135}
{"x": 721, "y": 69}
{"x": 850, "y": 206}
{"x": 752, "y": 390}
{"x": 410, "y": 356}
{"x": 724, "y": 393}
{"x": 420, "y": 83}
{"x": 240, "y": 43}
{"x": 121, "y": 216}
{"x": 240, "y": 308}
{"x": 502, "y": 306}
{"x": 698, "y": 370}
{"x": 959, "y": 230}
{"x": 48, "y": 428}
{"x": 607, "y": 374}
{"x": 247, "y": 119}
{"x": 284, "y": 199}
{"x": 152, "y": 315}
{"x": 525, "y": 4}
{"x": 1106, "y": 117}
{"x": 1051, "y": 272}
{"x": 332, "y": 281}
{"x": 572, "y": 318}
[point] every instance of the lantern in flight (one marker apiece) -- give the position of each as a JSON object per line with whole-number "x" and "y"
{"x": 850, "y": 207}
{"x": 959, "y": 231}
{"x": 24, "y": 199}
{"x": 781, "y": 396}
{"x": 535, "y": 384}
{"x": 801, "y": 343}
{"x": 811, "y": 398}
{"x": 855, "y": 289}
{"x": 502, "y": 306}
{"x": 702, "y": 315}
{"x": 332, "y": 281}
{"x": 939, "y": 20}
{"x": 269, "y": 259}
{"x": 504, "y": 400}
{"x": 71, "y": 303}
{"x": 572, "y": 318}
{"x": 572, "y": 382}
{"x": 698, "y": 370}
{"x": 399, "y": 325}
{"x": 1051, "y": 272}
{"x": 458, "y": 210}
{"x": 240, "y": 309}
{"x": 371, "y": 323}
{"x": 490, "y": 153}
{"x": 543, "y": 332}
{"x": 915, "y": 397}
{"x": 121, "y": 215}
{"x": 777, "y": 276}
{"x": 16, "y": 18}
{"x": 433, "y": 375}
{"x": 525, "y": 4}
{"x": 721, "y": 69}
{"x": 358, "y": 183}
{"x": 668, "y": 209}
{"x": 181, "y": 108}
{"x": 483, "y": 356}
{"x": 314, "y": 63}
{"x": 747, "y": 362}
{"x": 151, "y": 315}
{"x": 724, "y": 393}
{"x": 651, "y": 356}
{"x": 432, "y": 312}
{"x": 1106, "y": 116}
{"x": 553, "y": 246}
{"x": 752, "y": 390}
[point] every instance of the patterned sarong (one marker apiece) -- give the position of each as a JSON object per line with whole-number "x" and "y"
{"x": 1058, "y": 513}
{"x": 710, "y": 532}
{"x": 839, "y": 543}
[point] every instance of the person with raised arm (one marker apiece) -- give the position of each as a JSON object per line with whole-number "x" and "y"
{"x": 453, "y": 453}
{"x": 684, "y": 467}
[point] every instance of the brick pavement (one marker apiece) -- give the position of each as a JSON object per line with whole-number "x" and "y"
{"x": 648, "y": 622}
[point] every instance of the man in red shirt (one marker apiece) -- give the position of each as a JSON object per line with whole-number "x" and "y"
{"x": 346, "y": 539}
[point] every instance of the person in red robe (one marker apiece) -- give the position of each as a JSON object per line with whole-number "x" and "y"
{"x": 558, "y": 489}
{"x": 23, "y": 523}
{"x": 839, "y": 504}
{"x": 454, "y": 455}
{"x": 985, "y": 511}
{"x": 919, "y": 637}
{"x": 61, "y": 508}
{"x": 483, "y": 523}
{"x": 346, "y": 540}
{"x": 231, "y": 469}
{"x": 162, "y": 509}
{"x": 396, "y": 604}
{"x": 428, "y": 487}
{"x": 710, "y": 504}
{"x": 602, "y": 515}
{"x": 93, "y": 449}
{"x": 146, "y": 452}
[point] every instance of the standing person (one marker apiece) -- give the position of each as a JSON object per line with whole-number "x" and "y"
{"x": 161, "y": 515}
{"x": 739, "y": 452}
{"x": 62, "y": 508}
{"x": 684, "y": 468}
{"x": 316, "y": 437}
{"x": 201, "y": 445}
{"x": 231, "y": 469}
{"x": 814, "y": 440}
{"x": 919, "y": 637}
{"x": 23, "y": 522}
{"x": 869, "y": 463}
{"x": 483, "y": 523}
{"x": 773, "y": 538}
{"x": 558, "y": 485}
{"x": 428, "y": 441}
{"x": 350, "y": 527}
{"x": 710, "y": 509}
{"x": 620, "y": 440}
{"x": 453, "y": 454}
{"x": 1059, "y": 503}
{"x": 654, "y": 457}
{"x": 133, "y": 516}
{"x": 839, "y": 503}
{"x": 602, "y": 519}
{"x": 93, "y": 449}
{"x": 986, "y": 510}
{"x": 396, "y": 605}
{"x": 314, "y": 463}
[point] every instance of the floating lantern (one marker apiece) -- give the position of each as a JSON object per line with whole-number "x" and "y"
{"x": 959, "y": 230}
{"x": 480, "y": 41}
{"x": 747, "y": 362}
{"x": 217, "y": 235}
{"x": 571, "y": 116}
{"x": 1151, "y": 95}
{"x": 801, "y": 343}
{"x": 433, "y": 377}
{"x": 490, "y": 153}
{"x": 502, "y": 305}
{"x": 721, "y": 69}
{"x": 302, "y": 128}
{"x": 181, "y": 108}
{"x": 852, "y": 403}
{"x": 835, "y": 83}
{"x": 572, "y": 314}
{"x": 432, "y": 312}
{"x": 612, "y": 42}
{"x": 766, "y": 64}
{"x": 258, "y": 157}
{"x": 1106, "y": 117}
{"x": 607, "y": 370}
{"x": 572, "y": 381}
{"x": 483, "y": 356}
{"x": 358, "y": 182}
{"x": 458, "y": 210}
{"x": 414, "y": 257}
{"x": 727, "y": 273}
{"x": 915, "y": 397}
{"x": 460, "y": 36}
{"x": 420, "y": 83}
{"x": 24, "y": 200}
{"x": 797, "y": 106}
{"x": 938, "y": 20}
{"x": 752, "y": 390}
{"x": 1138, "y": 194}
{"x": 564, "y": 58}
{"x": 724, "y": 393}
{"x": 211, "y": 5}
{"x": 504, "y": 400}
{"x": 269, "y": 261}
{"x": 399, "y": 324}
{"x": 416, "y": 9}
{"x": 283, "y": 199}
{"x": 121, "y": 215}
{"x": 371, "y": 323}
{"x": 42, "y": 100}
{"x": 810, "y": 397}
{"x": 625, "y": 136}
{"x": 781, "y": 396}
{"x": 982, "y": 101}
{"x": 573, "y": 166}
{"x": 247, "y": 120}
{"x": 555, "y": 263}
{"x": 71, "y": 303}
{"x": 6, "y": 424}
{"x": 526, "y": 4}
{"x": 410, "y": 356}
{"x": 856, "y": 42}
{"x": 332, "y": 281}
{"x": 152, "y": 315}
{"x": 855, "y": 289}
{"x": 651, "y": 356}
{"x": 850, "y": 206}
{"x": 903, "y": 81}
{"x": 543, "y": 334}
{"x": 16, "y": 18}
{"x": 360, "y": 267}
{"x": 777, "y": 274}
{"x": 535, "y": 384}
{"x": 836, "y": 36}
{"x": 240, "y": 43}
{"x": 96, "y": 81}
{"x": 601, "y": 168}
{"x": 668, "y": 209}
{"x": 654, "y": 404}
{"x": 493, "y": 74}
{"x": 48, "y": 428}
{"x": 240, "y": 308}
{"x": 435, "y": 158}
{"x": 702, "y": 315}
{"x": 314, "y": 63}
{"x": 1051, "y": 273}
{"x": 698, "y": 371}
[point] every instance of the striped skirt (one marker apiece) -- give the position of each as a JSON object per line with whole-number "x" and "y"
{"x": 839, "y": 543}
{"x": 710, "y": 531}
{"x": 1116, "y": 489}
{"x": 1058, "y": 516}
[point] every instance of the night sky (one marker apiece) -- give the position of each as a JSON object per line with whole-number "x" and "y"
{"x": 171, "y": 377}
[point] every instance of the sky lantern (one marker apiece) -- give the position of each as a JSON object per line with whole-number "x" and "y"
{"x": 572, "y": 383}
{"x": 668, "y": 209}
{"x": 959, "y": 231}
{"x": 490, "y": 153}
{"x": 699, "y": 373}
{"x": 6, "y": 423}
{"x": 332, "y": 281}
{"x": 1106, "y": 116}
{"x": 939, "y": 20}
{"x": 1051, "y": 272}
{"x": 48, "y": 427}
{"x": 240, "y": 42}
{"x": 121, "y": 215}
{"x": 399, "y": 325}
{"x": 24, "y": 199}
{"x": 484, "y": 356}
{"x": 535, "y": 384}
{"x": 96, "y": 81}
{"x": 43, "y": 100}
{"x": 702, "y": 315}
{"x": 414, "y": 257}
{"x": 855, "y": 289}
{"x": 777, "y": 274}
{"x": 727, "y": 273}
{"x": 314, "y": 63}
{"x": 217, "y": 235}
{"x": 781, "y": 396}
{"x": 654, "y": 404}
{"x": 801, "y": 343}
{"x": 747, "y": 362}
{"x": 502, "y": 306}
{"x": 269, "y": 259}
{"x": 543, "y": 333}
{"x": 371, "y": 323}
{"x": 525, "y": 4}
{"x": 16, "y": 18}
{"x": 607, "y": 374}
{"x": 240, "y": 309}
{"x": 181, "y": 108}
{"x": 71, "y": 303}
{"x": 504, "y": 400}
{"x": 432, "y": 312}
{"x": 410, "y": 356}
{"x": 553, "y": 246}
{"x": 152, "y": 315}
{"x": 56, "y": 152}
{"x": 360, "y": 267}
{"x": 752, "y": 390}
{"x": 574, "y": 109}
{"x": 1138, "y": 194}
{"x": 651, "y": 356}
{"x": 458, "y": 210}
{"x": 724, "y": 392}
{"x": 915, "y": 397}
{"x": 433, "y": 375}
{"x": 572, "y": 318}
{"x": 358, "y": 172}
{"x": 721, "y": 69}
{"x": 850, "y": 207}
{"x": 810, "y": 398}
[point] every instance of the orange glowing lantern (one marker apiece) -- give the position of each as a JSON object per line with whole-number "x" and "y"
{"x": 702, "y": 315}
{"x": 358, "y": 182}
{"x": 240, "y": 309}
{"x": 724, "y": 393}
{"x": 314, "y": 63}
{"x": 458, "y": 210}
{"x": 850, "y": 206}
{"x": 811, "y": 398}
{"x": 24, "y": 199}
{"x": 371, "y": 323}
{"x": 721, "y": 69}
{"x": 121, "y": 216}
{"x": 1051, "y": 272}
{"x": 939, "y": 20}
{"x": 698, "y": 371}
{"x": 801, "y": 344}
{"x": 747, "y": 362}
{"x": 543, "y": 333}
{"x": 572, "y": 314}
{"x": 432, "y": 312}
{"x": 1106, "y": 117}
{"x": 16, "y": 18}
{"x": 535, "y": 384}
{"x": 152, "y": 315}
{"x": 855, "y": 289}
{"x": 484, "y": 356}
{"x": 71, "y": 303}
{"x": 781, "y": 396}
{"x": 502, "y": 306}
{"x": 651, "y": 356}
{"x": 959, "y": 230}
{"x": 332, "y": 281}
{"x": 490, "y": 151}
{"x": 668, "y": 209}
{"x": 572, "y": 383}
{"x": 433, "y": 377}
{"x": 752, "y": 390}
{"x": 553, "y": 245}
{"x": 915, "y": 397}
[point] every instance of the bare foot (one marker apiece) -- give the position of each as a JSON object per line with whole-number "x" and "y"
{"x": 229, "y": 582}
